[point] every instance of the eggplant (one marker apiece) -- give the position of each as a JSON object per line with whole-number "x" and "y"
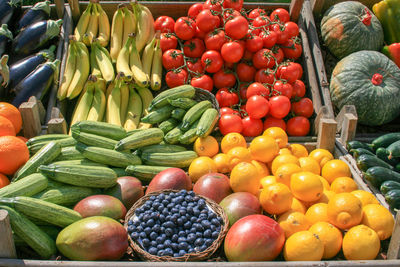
{"x": 4, "y": 76}
{"x": 37, "y": 82}
{"x": 5, "y": 38}
{"x": 8, "y": 8}
{"x": 35, "y": 36}
{"x": 40, "y": 11}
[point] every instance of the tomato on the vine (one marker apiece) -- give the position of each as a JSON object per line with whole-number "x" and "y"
{"x": 200, "y": 34}
{"x": 292, "y": 49}
{"x": 204, "y": 82}
{"x": 269, "y": 38}
{"x": 303, "y": 107}
{"x": 298, "y": 126}
{"x": 172, "y": 59}
{"x": 176, "y": 78}
{"x": 252, "y": 127}
{"x": 289, "y": 71}
{"x": 279, "y": 106}
{"x": 278, "y": 54}
{"x": 212, "y": 61}
{"x": 265, "y": 76}
{"x": 280, "y": 30}
{"x": 194, "y": 64}
{"x": 194, "y": 48}
{"x": 254, "y": 43}
{"x": 260, "y": 21}
{"x": 185, "y": 28}
{"x": 230, "y": 123}
{"x": 224, "y": 78}
{"x": 164, "y": 24}
{"x": 230, "y": 14}
{"x": 235, "y": 4}
{"x": 280, "y": 14}
{"x": 274, "y": 122}
{"x": 257, "y": 106}
{"x": 207, "y": 21}
{"x": 226, "y": 98}
{"x": 256, "y": 13}
{"x": 263, "y": 59}
{"x": 227, "y": 110}
{"x": 215, "y": 39}
{"x": 299, "y": 88}
{"x": 243, "y": 92}
{"x": 257, "y": 89}
{"x": 283, "y": 88}
{"x": 292, "y": 28}
{"x": 213, "y": 5}
{"x": 237, "y": 27}
{"x": 248, "y": 56}
{"x": 168, "y": 41}
{"x": 245, "y": 72}
{"x": 232, "y": 52}
{"x": 194, "y": 10}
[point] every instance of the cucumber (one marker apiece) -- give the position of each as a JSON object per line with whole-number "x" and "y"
{"x": 69, "y": 153}
{"x": 190, "y": 135}
{"x": 161, "y": 148}
{"x": 133, "y": 131}
{"x": 31, "y": 234}
{"x": 26, "y": 186}
{"x": 172, "y": 137}
{"x": 393, "y": 198}
{"x": 144, "y": 173}
{"x": 194, "y": 113}
{"x": 94, "y": 140}
{"x": 51, "y": 230}
{"x": 100, "y": 128}
{"x": 377, "y": 175}
{"x": 85, "y": 162}
{"x": 45, "y": 155}
{"x": 140, "y": 139}
{"x": 386, "y": 186}
{"x": 176, "y": 159}
{"x": 357, "y": 144}
{"x": 168, "y": 125}
{"x": 69, "y": 141}
{"x": 162, "y": 98}
{"x": 207, "y": 122}
{"x": 364, "y": 162}
{"x": 383, "y": 154}
{"x": 356, "y": 152}
{"x": 394, "y": 150}
{"x": 46, "y": 138}
{"x": 182, "y": 102}
{"x": 158, "y": 115}
{"x": 178, "y": 113}
{"x": 385, "y": 140}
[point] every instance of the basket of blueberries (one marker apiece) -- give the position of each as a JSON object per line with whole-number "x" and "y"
{"x": 172, "y": 225}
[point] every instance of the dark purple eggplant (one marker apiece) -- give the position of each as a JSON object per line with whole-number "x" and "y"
{"x": 40, "y": 11}
{"x": 5, "y": 39}
{"x": 35, "y": 36}
{"x": 37, "y": 82}
{"x": 8, "y": 8}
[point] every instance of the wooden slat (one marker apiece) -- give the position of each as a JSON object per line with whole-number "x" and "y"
{"x": 30, "y": 118}
{"x": 326, "y": 134}
{"x": 347, "y": 123}
{"x": 317, "y": 6}
{"x": 394, "y": 250}
{"x": 60, "y": 8}
{"x": 57, "y": 123}
{"x": 7, "y": 248}
{"x": 295, "y": 8}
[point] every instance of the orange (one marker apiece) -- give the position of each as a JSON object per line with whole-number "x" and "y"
{"x": 283, "y": 159}
{"x": 276, "y": 198}
{"x": 238, "y": 154}
{"x": 306, "y": 186}
{"x": 330, "y": 236}
{"x": 322, "y": 156}
{"x": 278, "y": 134}
{"x": 298, "y": 150}
{"x": 365, "y": 197}
{"x": 325, "y": 183}
{"x": 6, "y": 127}
{"x": 223, "y": 162}
{"x": 13, "y": 154}
{"x": 232, "y": 140}
{"x": 317, "y": 213}
{"x": 379, "y": 219}
{"x": 12, "y": 114}
{"x": 267, "y": 180}
{"x": 344, "y": 210}
{"x": 292, "y": 222}
{"x": 263, "y": 148}
{"x": 284, "y": 150}
{"x": 297, "y": 205}
{"x": 303, "y": 246}
{"x": 23, "y": 138}
{"x": 309, "y": 164}
{"x": 361, "y": 243}
{"x": 245, "y": 178}
{"x": 285, "y": 171}
{"x": 206, "y": 146}
{"x": 201, "y": 166}
{"x": 343, "y": 184}
{"x": 261, "y": 168}
{"x": 3, "y": 180}
{"x": 326, "y": 196}
{"x": 335, "y": 168}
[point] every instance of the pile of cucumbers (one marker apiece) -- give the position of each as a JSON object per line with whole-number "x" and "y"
{"x": 380, "y": 163}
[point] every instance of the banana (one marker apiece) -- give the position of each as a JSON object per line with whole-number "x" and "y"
{"x": 156, "y": 69}
{"x": 145, "y": 22}
{"x": 84, "y": 104}
{"x": 83, "y": 23}
{"x": 96, "y": 112}
{"x": 93, "y": 26}
{"x": 147, "y": 57}
{"x": 151, "y": 22}
{"x": 134, "y": 111}
{"x": 103, "y": 61}
{"x": 124, "y": 102}
{"x": 123, "y": 59}
{"x": 101, "y": 84}
{"x": 129, "y": 24}
{"x": 68, "y": 72}
{"x": 136, "y": 67}
{"x": 110, "y": 88}
{"x": 146, "y": 96}
{"x": 114, "y": 102}
{"x": 116, "y": 34}
{"x": 81, "y": 71}
{"x": 94, "y": 68}
{"x": 104, "y": 27}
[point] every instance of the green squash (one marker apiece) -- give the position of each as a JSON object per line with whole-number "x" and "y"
{"x": 371, "y": 82}
{"x": 349, "y": 27}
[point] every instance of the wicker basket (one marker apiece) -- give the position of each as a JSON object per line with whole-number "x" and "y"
{"x": 202, "y": 94}
{"x": 198, "y": 256}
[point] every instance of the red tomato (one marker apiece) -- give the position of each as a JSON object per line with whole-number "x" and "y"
{"x": 245, "y": 72}
{"x": 227, "y": 110}
{"x": 224, "y": 78}
{"x": 243, "y": 92}
{"x": 269, "y": 38}
{"x": 185, "y": 28}
{"x": 164, "y": 24}
{"x": 206, "y": 21}
{"x": 299, "y": 89}
{"x": 279, "y": 106}
{"x": 229, "y": 65}
{"x": 291, "y": 49}
{"x": 232, "y": 52}
{"x": 194, "y": 10}
{"x": 254, "y": 43}
{"x": 172, "y": 59}
{"x": 280, "y": 14}
{"x": 260, "y": 21}
{"x": 274, "y": 122}
{"x": 176, "y": 78}
{"x": 235, "y": 4}
{"x": 265, "y": 76}
{"x": 256, "y": 13}
{"x": 237, "y": 27}
{"x": 168, "y": 41}
{"x": 257, "y": 89}
{"x": 251, "y": 126}
{"x": 278, "y": 54}
{"x": 200, "y": 34}
{"x": 212, "y": 61}
{"x": 230, "y": 14}
{"x": 298, "y": 126}
{"x": 292, "y": 29}
{"x": 195, "y": 65}
{"x": 280, "y": 30}
{"x": 230, "y": 123}
{"x": 214, "y": 40}
{"x": 204, "y": 82}
{"x": 304, "y": 107}
{"x": 283, "y": 88}
{"x": 248, "y": 55}
{"x": 257, "y": 106}
{"x": 226, "y": 98}
{"x": 194, "y": 48}
{"x": 289, "y": 72}
{"x": 213, "y": 5}
{"x": 263, "y": 59}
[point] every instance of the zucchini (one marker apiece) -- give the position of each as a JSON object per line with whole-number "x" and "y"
{"x": 43, "y": 210}
{"x": 178, "y": 113}
{"x": 108, "y": 156}
{"x": 86, "y": 176}
{"x": 207, "y": 122}
{"x": 364, "y": 162}
{"x": 357, "y": 144}
{"x": 394, "y": 150}
{"x": 176, "y": 159}
{"x": 133, "y": 131}
{"x": 26, "y": 186}
{"x": 397, "y": 167}
{"x": 386, "y": 186}
{"x": 144, "y": 172}
{"x": 46, "y": 138}
{"x": 194, "y": 113}
{"x": 172, "y": 137}
{"x": 168, "y": 125}
{"x": 182, "y": 102}
{"x": 69, "y": 141}
{"x": 100, "y": 128}
{"x": 383, "y": 154}
{"x": 356, "y": 152}
{"x": 31, "y": 234}
{"x": 393, "y": 198}
{"x": 85, "y": 162}
{"x": 45, "y": 155}
{"x": 120, "y": 172}
{"x": 51, "y": 230}
{"x": 162, "y": 98}
{"x": 140, "y": 139}
{"x": 377, "y": 175}
{"x": 161, "y": 148}
{"x": 94, "y": 140}
{"x": 385, "y": 140}
{"x": 69, "y": 153}
{"x": 158, "y": 115}
{"x": 190, "y": 135}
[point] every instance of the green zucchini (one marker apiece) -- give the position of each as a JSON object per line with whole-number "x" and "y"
{"x": 207, "y": 122}
{"x": 120, "y": 172}
{"x": 161, "y": 148}
{"x": 364, "y": 162}
{"x": 134, "y": 131}
{"x": 178, "y": 113}
{"x": 176, "y": 159}
{"x": 385, "y": 140}
{"x": 26, "y": 186}
{"x": 144, "y": 173}
{"x": 394, "y": 150}
{"x": 377, "y": 175}
{"x": 356, "y": 152}
{"x": 94, "y": 140}
{"x": 182, "y": 102}
{"x": 383, "y": 154}
{"x": 51, "y": 230}
{"x": 190, "y": 135}
{"x": 140, "y": 139}
{"x": 168, "y": 125}
{"x": 100, "y": 128}
{"x": 194, "y": 113}
{"x": 393, "y": 198}
{"x": 46, "y": 138}
{"x": 357, "y": 144}
{"x": 172, "y": 137}
{"x": 158, "y": 115}
{"x": 397, "y": 167}
{"x": 386, "y": 186}
{"x": 85, "y": 162}
{"x": 186, "y": 91}
{"x": 69, "y": 153}
{"x": 69, "y": 141}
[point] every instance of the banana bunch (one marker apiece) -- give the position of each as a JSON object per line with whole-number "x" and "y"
{"x": 101, "y": 62}
{"x": 93, "y": 24}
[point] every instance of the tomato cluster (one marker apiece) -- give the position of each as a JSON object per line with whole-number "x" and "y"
{"x": 247, "y": 58}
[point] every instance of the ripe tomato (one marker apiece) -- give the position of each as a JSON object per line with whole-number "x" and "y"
{"x": 200, "y": 34}
{"x": 265, "y": 76}
{"x": 289, "y": 71}
{"x": 229, "y": 65}
{"x": 227, "y": 110}
{"x": 215, "y": 39}
{"x": 291, "y": 49}
{"x": 263, "y": 59}
{"x": 279, "y": 106}
{"x": 274, "y": 122}
{"x": 185, "y": 28}
{"x": 226, "y": 98}
{"x": 194, "y": 64}
{"x": 280, "y": 30}
{"x": 164, "y": 24}
{"x": 194, "y": 10}
{"x": 283, "y": 88}
{"x": 212, "y": 61}
{"x": 299, "y": 89}
{"x": 257, "y": 106}
{"x": 204, "y": 82}
{"x": 224, "y": 78}
{"x": 235, "y": 4}
{"x": 232, "y": 52}
{"x": 230, "y": 14}
{"x": 245, "y": 72}
{"x": 269, "y": 38}
{"x": 243, "y": 92}
{"x": 213, "y": 5}
{"x": 298, "y": 126}
{"x": 251, "y": 126}
{"x": 206, "y": 21}
{"x": 172, "y": 59}
{"x": 194, "y": 48}
{"x": 292, "y": 28}
{"x": 260, "y": 21}
{"x": 230, "y": 123}
{"x": 256, "y": 13}
{"x": 304, "y": 107}
{"x": 176, "y": 78}
{"x": 280, "y": 14}
{"x": 168, "y": 41}
{"x": 277, "y": 52}
{"x": 254, "y": 43}
{"x": 237, "y": 27}
{"x": 257, "y": 89}
{"x": 248, "y": 56}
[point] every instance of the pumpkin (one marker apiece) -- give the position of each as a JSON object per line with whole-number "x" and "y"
{"x": 371, "y": 82}
{"x": 349, "y": 27}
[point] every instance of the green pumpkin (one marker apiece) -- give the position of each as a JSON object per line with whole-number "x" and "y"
{"x": 371, "y": 82}
{"x": 349, "y": 27}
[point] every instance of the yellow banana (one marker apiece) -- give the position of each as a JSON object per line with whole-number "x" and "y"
{"x": 101, "y": 84}
{"x": 114, "y": 103}
{"x": 81, "y": 71}
{"x": 124, "y": 102}
{"x": 83, "y": 23}
{"x": 147, "y": 97}
{"x": 96, "y": 112}
{"x": 116, "y": 34}
{"x": 123, "y": 59}
{"x": 129, "y": 24}
{"x": 136, "y": 67}
{"x": 103, "y": 61}
{"x": 110, "y": 88}
{"x": 84, "y": 104}
{"x": 104, "y": 27}
{"x": 93, "y": 27}
{"x": 144, "y": 24}
{"x": 95, "y": 70}
{"x": 147, "y": 58}
{"x": 68, "y": 72}
{"x": 156, "y": 69}
{"x": 151, "y": 22}
{"x": 134, "y": 111}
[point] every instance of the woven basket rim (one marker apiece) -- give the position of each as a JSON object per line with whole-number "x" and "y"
{"x": 217, "y": 209}
{"x": 210, "y": 95}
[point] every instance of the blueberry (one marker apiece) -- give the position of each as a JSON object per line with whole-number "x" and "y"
{"x": 170, "y": 205}
{"x": 181, "y": 239}
{"x": 140, "y": 217}
{"x": 153, "y": 235}
{"x": 196, "y": 198}
{"x": 146, "y": 242}
{"x": 142, "y": 235}
{"x": 183, "y": 192}
{"x": 203, "y": 247}
{"x": 161, "y": 217}
{"x": 146, "y": 206}
{"x": 174, "y": 210}
{"x": 179, "y": 222}
{"x": 191, "y": 250}
{"x": 136, "y": 223}
{"x": 164, "y": 236}
{"x": 196, "y": 212}
{"x": 161, "y": 196}
{"x": 169, "y": 224}
{"x": 160, "y": 252}
{"x": 193, "y": 219}
{"x": 131, "y": 228}
{"x": 175, "y": 246}
{"x": 165, "y": 202}
{"x": 165, "y": 212}
{"x": 160, "y": 240}
{"x": 182, "y": 252}
{"x": 174, "y": 238}
{"x": 169, "y": 232}
{"x": 206, "y": 224}
{"x": 153, "y": 250}
{"x": 176, "y": 255}
{"x": 183, "y": 245}
{"x": 215, "y": 222}
{"x": 147, "y": 230}
{"x": 215, "y": 234}
{"x": 152, "y": 198}
{"x": 174, "y": 217}
{"x": 191, "y": 238}
{"x": 221, "y": 221}
{"x": 202, "y": 216}
{"x": 207, "y": 233}
{"x": 130, "y": 222}
{"x": 211, "y": 215}
{"x": 153, "y": 243}
{"x": 187, "y": 225}
{"x": 156, "y": 228}
{"x": 199, "y": 227}
{"x": 182, "y": 233}
{"x": 199, "y": 242}
{"x": 156, "y": 205}
{"x": 191, "y": 193}
{"x": 182, "y": 212}
{"x": 168, "y": 252}
{"x": 139, "y": 210}
{"x": 197, "y": 248}
{"x": 188, "y": 198}
{"x": 201, "y": 202}
{"x": 162, "y": 229}
{"x": 167, "y": 243}
{"x": 179, "y": 199}
{"x": 135, "y": 235}
{"x": 150, "y": 223}
{"x": 184, "y": 203}
{"x": 160, "y": 246}
{"x": 160, "y": 208}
